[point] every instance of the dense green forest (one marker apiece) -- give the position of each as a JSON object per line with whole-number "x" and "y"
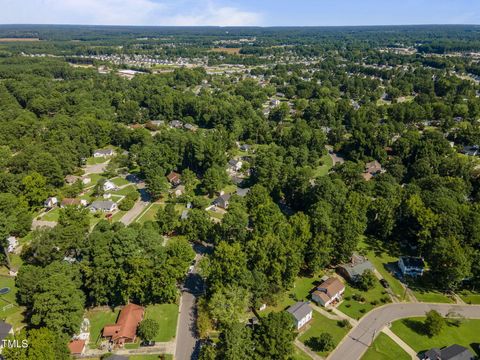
{"x": 414, "y": 113}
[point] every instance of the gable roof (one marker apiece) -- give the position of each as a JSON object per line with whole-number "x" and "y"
{"x": 453, "y": 352}
{"x": 411, "y": 261}
{"x": 357, "y": 265}
{"x": 332, "y": 286}
{"x": 373, "y": 167}
{"x": 127, "y": 323}
{"x": 70, "y": 202}
{"x": 103, "y": 205}
{"x": 300, "y": 310}
{"x": 173, "y": 176}
{"x": 76, "y": 346}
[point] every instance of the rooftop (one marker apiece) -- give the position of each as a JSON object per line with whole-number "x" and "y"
{"x": 299, "y": 310}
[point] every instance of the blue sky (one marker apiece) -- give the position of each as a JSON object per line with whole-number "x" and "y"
{"x": 238, "y": 13}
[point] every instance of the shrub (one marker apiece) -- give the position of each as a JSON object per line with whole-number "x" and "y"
{"x": 363, "y": 311}
{"x": 374, "y": 302}
{"x": 134, "y": 196}
{"x": 323, "y": 342}
{"x": 434, "y": 323}
{"x": 348, "y": 298}
{"x": 344, "y": 324}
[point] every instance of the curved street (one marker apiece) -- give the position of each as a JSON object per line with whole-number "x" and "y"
{"x": 357, "y": 341}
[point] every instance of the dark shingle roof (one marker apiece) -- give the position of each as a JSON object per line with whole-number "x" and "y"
{"x": 299, "y": 310}
{"x": 4, "y": 329}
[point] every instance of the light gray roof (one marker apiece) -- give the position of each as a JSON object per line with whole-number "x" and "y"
{"x": 300, "y": 310}
{"x": 357, "y": 266}
{"x": 104, "y": 151}
{"x": 103, "y": 205}
{"x": 242, "y": 192}
{"x": 4, "y": 329}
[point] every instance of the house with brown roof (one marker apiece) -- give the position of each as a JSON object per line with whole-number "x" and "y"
{"x": 77, "y": 347}
{"x": 125, "y": 329}
{"x": 174, "y": 178}
{"x": 371, "y": 169}
{"x": 328, "y": 292}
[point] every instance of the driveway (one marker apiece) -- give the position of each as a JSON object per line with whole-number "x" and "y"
{"x": 354, "y": 345}
{"x": 95, "y": 168}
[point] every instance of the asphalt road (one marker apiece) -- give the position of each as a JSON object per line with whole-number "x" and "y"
{"x": 188, "y": 344}
{"x": 361, "y": 336}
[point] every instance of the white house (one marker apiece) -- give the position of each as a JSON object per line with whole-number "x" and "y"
{"x": 411, "y": 266}
{"x": 103, "y": 153}
{"x": 328, "y": 292}
{"x": 301, "y": 312}
{"x": 12, "y": 244}
{"x": 235, "y": 165}
{"x": 109, "y": 186}
{"x": 105, "y": 206}
{"x": 50, "y": 202}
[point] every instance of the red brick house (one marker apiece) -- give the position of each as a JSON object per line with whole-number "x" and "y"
{"x": 125, "y": 330}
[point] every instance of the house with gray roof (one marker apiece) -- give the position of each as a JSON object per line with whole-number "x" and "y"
{"x": 354, "y": 269}
{"x": 222, "y": 201}
{"x": 103, "y": 153}
{"x": 301, "y": 313}
{"x": 105, "y": 206}
{"x": 453, "y": 352}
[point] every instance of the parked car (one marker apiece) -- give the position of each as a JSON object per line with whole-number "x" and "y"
{"x": 147, "y": 343}
{"x": 384, "y": 283}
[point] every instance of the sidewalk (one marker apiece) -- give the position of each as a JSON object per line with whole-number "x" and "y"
{"x": 400, "y": 342}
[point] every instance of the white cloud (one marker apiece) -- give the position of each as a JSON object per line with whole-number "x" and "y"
{"x": 125, "y": 12}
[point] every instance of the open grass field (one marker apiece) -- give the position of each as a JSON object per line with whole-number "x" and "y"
{"x": 411, "y": 331}
{"x": 99, "y": 317}
{"x": 93, "y": 160}
{"x": 323, "y": 169}
{"x": 431, "y": 296}
{"x": 321, "y": 324}
{"x": 120, "y": 181}
{"x": 19, "y": 39}
{"x": 166, "y": 315}
{"x": 126, "y": 190}
{"x": 230, "y": 51}
{"x": 384, "y": 348}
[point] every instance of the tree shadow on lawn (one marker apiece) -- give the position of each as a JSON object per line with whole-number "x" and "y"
{"x": 415, "y": 325}
{"x": 476, "y": 348}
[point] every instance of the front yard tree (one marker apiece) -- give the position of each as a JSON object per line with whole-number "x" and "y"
{"x": 274, "y": 337}
{"x": 235, "y": 343}
{"x": 148, "y": 329}
{"x": 434, "y": 323}
{"x": 367, "y": 280}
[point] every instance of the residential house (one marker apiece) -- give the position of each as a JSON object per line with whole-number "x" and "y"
{"x": 354, "y": 269}
{"x": 371, "y": 169}
{"x": 242, "y": 192}
{"x": 12, "y": 244}
{"x": 411, "y": 266}
{"x": 157, "y": 123}
{"x": 179, "y": 190}
{"x": 301, "y": 312}
{"x": 274, "y": 102}
{"x": 471, "y": 150}
{"x": 73, "y": 202}
{"x": 50, "y": 202}
{"x": 77, "y": 347}
{"x": 5, "y": 330}
{"x": 245, "y": 147}
{"x": 109, "y": 186}
{"x": 222, "y": 201}
{"x": 235, "y": 165}
{"x": 174, "y": 178}
{"x": 103, "y": 153}
{"x": 105, "y": 206}
{"x": 177, "y": 124}
{"x": 328, "y": 292}
{"x": 125, "y": 329}
{"x": 190, "y": 127}
{"x": 453, "y": 352}
{"x": 86, "y": 180}
{"x": 72, "y": 179}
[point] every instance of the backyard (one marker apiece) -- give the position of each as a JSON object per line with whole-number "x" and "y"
{"x": 9, "y": 309}
{"x": 321, "y": 324}
{"x": 384, "y": 348}
{"x": 99, "y": 317}
{"x": 411, "y": 331}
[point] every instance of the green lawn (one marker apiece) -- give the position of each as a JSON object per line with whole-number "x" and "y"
{"x": 9, "y": 309}
{"x": 384, "y": 348}
{"x": 98, "y": 319}
{"x": 126, "y": 190}
{"x": 470, "y": 297}
{"x": 120, "y": 181}
{"x": 431, "y": 296}
{"x": 166, "y": 315}
{"x": 216, "y": 214}
{"x": 92, "y": 160}
{"x": 373, "y": 298}
{"x": 95, "y": 178}
{"x": 382, "y": 261}
{"x": 230, "y": 189}
{"x": 410, "y": 331}
{"x": 321, "y": 324}
{"x": 151, "y": 357}
{"x": 323, "y": 170}
{"x": 118, "y": 215}
{"x": 149, "y": 214}
{"x": 300, "y": 291}
{"x": 52, "y": 215}
{"x": 299, "y": 355}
